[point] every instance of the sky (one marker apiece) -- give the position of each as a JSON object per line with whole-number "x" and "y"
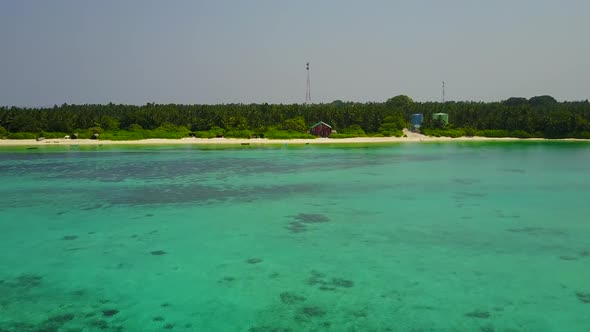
{"x": 222, "y": 51}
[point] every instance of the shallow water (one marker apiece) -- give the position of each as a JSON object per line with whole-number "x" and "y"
{"x": 400, "y": 237}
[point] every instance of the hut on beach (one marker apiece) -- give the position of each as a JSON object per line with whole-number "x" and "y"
{"x": 321, "y": 129}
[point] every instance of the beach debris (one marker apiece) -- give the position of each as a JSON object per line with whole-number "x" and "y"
{"x": 478, "y": 314}
{"x": 254, "y": 260}
{"x": 110, "y": 312}
{"x": 158, "y": 252}
{"x": 583, "y": 297}
{"x": 291, "y": 298}
{"x": 70, "y": 237}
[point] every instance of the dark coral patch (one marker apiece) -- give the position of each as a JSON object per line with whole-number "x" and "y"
{"x": 158, "y": 319}
{"x": 296, "y": 227}
{"x": 311, "y": 218}
{"x": 325, "y": 284}
{"x": 305, "y": 314}
{"x": 301, "y": 220}
{"x": 269, "y": 329}
{"x": 60, "y": 319}
{"x": 583, "y": 297}
{"x": 487, "y": 328}
{"x": 26, "y": 281}
{"x": 291, "y": 298}
{"x": 568, "y": 258}
{"x": 100, "y": 324}
{"x": 70, "y": 237}
{"x": 478, "y": 314}
{"x": 158, "y": 252}
{"x": 342, "y": 283}
{"x": 110, "y": 312}
{"x": 254, "y": 260}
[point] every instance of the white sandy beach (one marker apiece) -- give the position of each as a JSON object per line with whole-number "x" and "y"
{"x": 261, "y": 141}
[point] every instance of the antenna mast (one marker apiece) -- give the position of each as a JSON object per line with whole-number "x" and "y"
{"x": 308, "y": 89}
{"x": 443, "y": 92}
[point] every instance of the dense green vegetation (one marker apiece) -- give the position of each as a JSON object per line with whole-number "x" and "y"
{"x": 540, "y": 116}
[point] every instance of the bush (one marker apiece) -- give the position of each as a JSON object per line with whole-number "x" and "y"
{"x": 53, "y": 134}
{"x": 95, "y": 130}
{"x": 134, "y": 127}
{"x": 352, "y": 131}
{"x": 520, "y": 134}
{"x": 296, "y": 125}
{"x": 239, "y": 134}
{"x": 389, "y": 133}
{"x": 453, "y": 133}
{"x": 286, "y": 134}
{"x": 205, "y": 134}
{"x": 218, "y": 131}
{"x": 23, "y": 135}
{"x": 3, "y": 132}
{"x": 121, "y": 135}
{"x": 493, "y": 133}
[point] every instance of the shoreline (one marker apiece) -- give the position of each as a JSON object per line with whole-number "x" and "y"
{"x": 264, "y": 141}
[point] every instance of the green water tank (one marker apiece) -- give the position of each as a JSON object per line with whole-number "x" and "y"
{"x": 443, "y": 116}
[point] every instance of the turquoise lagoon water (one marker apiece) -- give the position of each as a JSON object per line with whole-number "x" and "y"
{"x": 401, "y": 237}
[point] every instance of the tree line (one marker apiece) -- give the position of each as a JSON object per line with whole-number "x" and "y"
{"x": 540, "y": 116}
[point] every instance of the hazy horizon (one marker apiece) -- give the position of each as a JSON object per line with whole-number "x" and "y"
{"x": 222, "y": 52}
